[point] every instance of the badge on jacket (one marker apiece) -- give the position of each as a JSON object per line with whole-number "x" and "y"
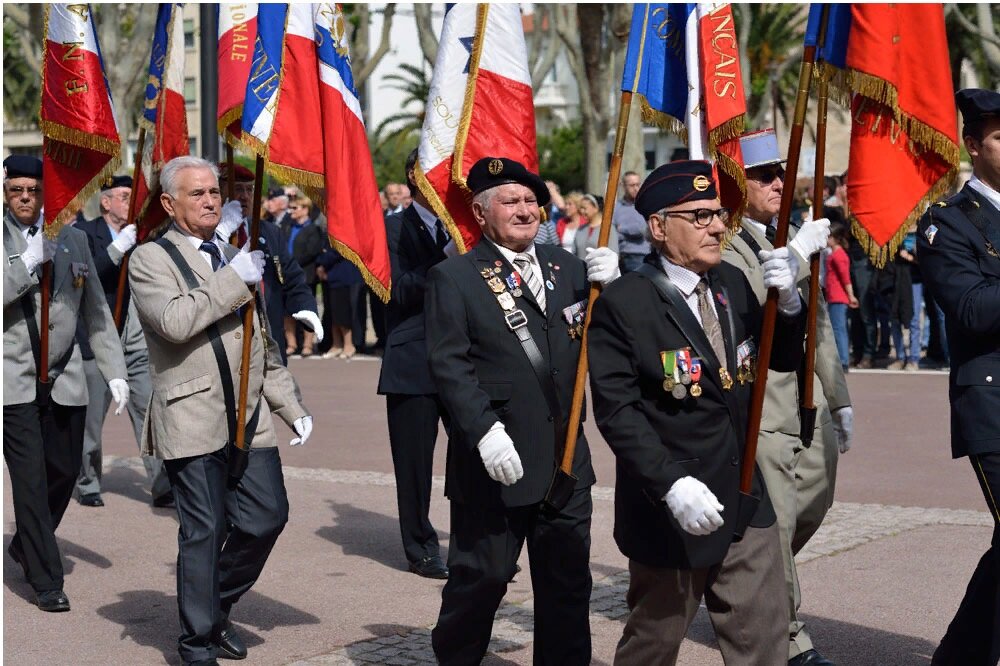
{"x": 574, "y": 316}
{"x": 80, "y": 271}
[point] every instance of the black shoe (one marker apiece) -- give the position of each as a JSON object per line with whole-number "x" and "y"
{"x": 430, "y": 567}
{"x": 91, "y": 499}
{"x": 202, "y": 662}
{"x": 810, "y": 658}
{"x": 231, "y": 646}
{"x": 517, "y": 570}
{"x": 53, "y": 601}
{"x": 164, "y": 501}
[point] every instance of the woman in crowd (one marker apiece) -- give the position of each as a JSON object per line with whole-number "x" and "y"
{"x": 838, "y": 289}
{"x": 343, "y": 289}
{"x": 305, "y": 241}
{"x": 569, "y": 223}
{"x": 591, "y": 208}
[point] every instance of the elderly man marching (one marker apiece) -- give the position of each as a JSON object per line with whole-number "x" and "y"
{"x": 800, "y": 469}
{"x": 503, "y": 324}
{"x": 188, "y": 287}
{"x": 672, "y": 349}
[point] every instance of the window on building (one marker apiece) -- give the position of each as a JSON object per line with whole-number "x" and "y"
{"x": 192, "y": 146}
{"x": 189, "y": 33}
{"x": 190, "y": 90}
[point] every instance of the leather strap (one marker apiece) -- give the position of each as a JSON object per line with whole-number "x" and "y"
{"x": 974, "y": 213}
{"x": 221, "y": 359}
{"x": 28, "y": 308}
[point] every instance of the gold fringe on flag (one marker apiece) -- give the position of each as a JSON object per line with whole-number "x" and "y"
{"x": 458, "y": 156}
{"x": 372, "y": 282}
{"x": 651, "y": 116}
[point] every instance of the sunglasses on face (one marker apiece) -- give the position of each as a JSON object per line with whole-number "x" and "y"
{"x": 701, "y": 217}
{"x": 766, "y": 175}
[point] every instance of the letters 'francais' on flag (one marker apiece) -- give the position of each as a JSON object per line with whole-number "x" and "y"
{"x": 353, "y": 210}
{"x": 81, "y": 144}
{"x": 281, "y": 111}
{"x": 164, "y": 115}
{"x": 665, "y": 42}
{"x": 904, "y": 153}
{"x": 237, "y": 35}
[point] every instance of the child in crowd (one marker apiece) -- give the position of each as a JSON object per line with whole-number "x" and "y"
{"x": 838, "y": 289}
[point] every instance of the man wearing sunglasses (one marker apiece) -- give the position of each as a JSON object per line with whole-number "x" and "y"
{"x": 672, "y": 349}
{"x": 799, "y": 469}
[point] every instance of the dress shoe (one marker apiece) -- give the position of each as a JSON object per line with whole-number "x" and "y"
{"x": 430, "y": 567}
{"x": 91, "y": 499}
{"x": 864, "y": 364}
{"x": 164, "y": 501}
{"x": 202, "y": 662}
{"x": 810, "y": 658}
{"x": 53, "y": 601}
{"x": 230, "y": 644}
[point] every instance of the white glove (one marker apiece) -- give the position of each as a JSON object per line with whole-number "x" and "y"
{"x": 780, "y": 268}
{"x": 602, "y": 265}
{"x": 126, "y": 239}
{"x": 230, "y": 220}
{"x": 450, "y": 250}
{"x": 249, "y": 265}
{"x": 500, "y": 458}
{"x": 811, "y": 237}
{"x": 40, "y": 249}
{"x": 311, "y": 320}
{"x": 843, "y": 424}
{"x": 694, "y": 506}
{"x": 303, "y": 428}
{"x": 119, "y": 393}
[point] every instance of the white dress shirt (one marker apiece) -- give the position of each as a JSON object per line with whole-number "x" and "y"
{"x": 686, "y": 281}
{"x": 36, "y": 225}
{"x": 509, "y": 255}
{"x": 991, "y": 195}
{"x": 196, "y": 244}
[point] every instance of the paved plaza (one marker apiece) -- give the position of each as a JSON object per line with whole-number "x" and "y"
{"x": 880, "y": 580}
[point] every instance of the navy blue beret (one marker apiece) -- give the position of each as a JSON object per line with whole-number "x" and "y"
{"x": 22, "y": 166}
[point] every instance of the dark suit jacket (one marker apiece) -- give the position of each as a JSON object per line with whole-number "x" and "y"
{"x": 961, "y": 267}
{"x": 99, "y": 238}
{"x": 412, "y": 253}
{"x": 658, "y": 439}
{"x": 483, "y": 375}
{"x": 308, "y": 245}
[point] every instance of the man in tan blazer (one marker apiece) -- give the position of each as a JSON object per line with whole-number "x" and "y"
{"x": 44, "y": 424}
{"x": 800, "y": 479}
{"x": 227, "y": 530}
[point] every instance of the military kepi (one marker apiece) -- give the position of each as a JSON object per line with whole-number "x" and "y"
{"x": 977, "y": 105}
{"x": 674, "y": 183}
{"x": 495, "y": 171}
{"x": 22, "y": 166}
{"x": 760, "y": 148}
{"x": 116, "y": 181}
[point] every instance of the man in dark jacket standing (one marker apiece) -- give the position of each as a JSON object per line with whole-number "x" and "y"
{"x": 503, "y": 343}
{"x": 672, "y": 349}
{"x": 958, "y": 246}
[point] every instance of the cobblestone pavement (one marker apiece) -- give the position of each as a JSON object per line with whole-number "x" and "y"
{"x": 847, "y": 526}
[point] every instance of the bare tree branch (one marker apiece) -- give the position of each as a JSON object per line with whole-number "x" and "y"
{"x": 425, "y": 31}
{"x": 543, "y": 62}
{"x": 372, "y": 61}
{"x": 963, "y": 20}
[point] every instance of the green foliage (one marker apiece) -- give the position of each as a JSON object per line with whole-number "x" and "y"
{"x": 963, "y": 44}
{"x": 560, "y": 157}
{"x": 773, "y": 49}
{"x": 21, "y": 87}
{"x": 389, "y": 157}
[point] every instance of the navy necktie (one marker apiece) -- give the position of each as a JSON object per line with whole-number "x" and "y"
{"x": 213, "y": 251}
{"x": 440, "y": 237}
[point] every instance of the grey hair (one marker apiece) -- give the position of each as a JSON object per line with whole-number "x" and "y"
{"x": 484, "y": 198}
{"x": 171, "y": 170}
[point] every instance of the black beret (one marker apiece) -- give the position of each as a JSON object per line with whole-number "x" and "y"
{"x": 116, "y": 181}
{"x": 494, "y": 171}
{"x": 674, "y": 183}
{"x": 243, "y": 174}
{"x": 22, "y": 166}
{"x": 977, "y": 104}
{"x": 274, "y": 191}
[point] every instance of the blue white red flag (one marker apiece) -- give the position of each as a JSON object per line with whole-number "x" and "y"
{"x": 237, "y": 35}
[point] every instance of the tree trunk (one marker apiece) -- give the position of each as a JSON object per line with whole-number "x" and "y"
{"x": 425, "y": 31}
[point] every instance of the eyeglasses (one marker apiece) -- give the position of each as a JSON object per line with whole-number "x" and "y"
{"x": 766, "y": 175}
{"x": 294, "y": 207}
{"x": 18, "y": 190}
{"x": 702, "y": 217}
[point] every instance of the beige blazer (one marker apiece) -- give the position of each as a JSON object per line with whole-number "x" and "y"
{"x": 186, "y": 415}
{"x": 76, "y": 294}
{"x": 781, "y": 399}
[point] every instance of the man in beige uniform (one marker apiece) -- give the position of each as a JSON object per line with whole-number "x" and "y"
{"x": 187, "y": 289}
{"x": 799, "y": 479}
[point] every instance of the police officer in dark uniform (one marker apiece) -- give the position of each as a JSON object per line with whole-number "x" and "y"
{"x": 958, "y": 246}
{"x": 503, "y": 343}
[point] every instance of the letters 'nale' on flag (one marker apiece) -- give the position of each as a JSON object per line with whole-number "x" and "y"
{"x": 81, "y": 143}
{"x": 164, "y": 116}
{"x": 891, "y": 64}
{"x": 665, "y": 42}
{"x": 353, "y": 210}
{"x": 237, "y": 35}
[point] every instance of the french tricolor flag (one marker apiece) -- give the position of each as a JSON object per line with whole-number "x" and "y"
{"x": 81, "y": 144}
{"x": 164, "y": 115}
{"x": 237, "y": 34}
{"x": 480, "y": 104}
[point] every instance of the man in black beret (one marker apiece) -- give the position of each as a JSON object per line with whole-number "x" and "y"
{"x": 672, "y": 349}
{"x": 276, "y": 206}
{"x": 958, "y": 246}
{"x": 503, "y": 327}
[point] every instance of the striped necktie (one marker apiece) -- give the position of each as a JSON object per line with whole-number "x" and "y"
{"x": 525, "y": 266}
{"x": 710, "y": 321}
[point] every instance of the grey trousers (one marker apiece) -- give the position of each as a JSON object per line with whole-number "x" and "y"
{"x": 137, "y": 362}
{"x": 744, "y": 595}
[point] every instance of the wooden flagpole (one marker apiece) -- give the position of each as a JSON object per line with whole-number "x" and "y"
{"x": 133, "y": 205}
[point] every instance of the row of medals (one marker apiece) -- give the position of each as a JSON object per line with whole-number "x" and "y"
{"x": 497, "y": 286}
{"x": 745, "y": 373}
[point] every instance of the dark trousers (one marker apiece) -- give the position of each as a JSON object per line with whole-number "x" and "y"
{"x": 413, "y": 429}
{"x": 973, "y": 637}
{"x": 378, "y": 318}
{"x": 485, "y": 544}
{"x": 224, "y": 538}
{"x": 43, "y": 448}
{"x": 864, "y": 324}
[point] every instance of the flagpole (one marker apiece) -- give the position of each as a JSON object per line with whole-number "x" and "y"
{"x": 240, "y": 456}
{"x": 611, "y": 192}
{"x": 807, "y": 413}
{"x": 133, "y": 204}
{"x": 780, "y": 239}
